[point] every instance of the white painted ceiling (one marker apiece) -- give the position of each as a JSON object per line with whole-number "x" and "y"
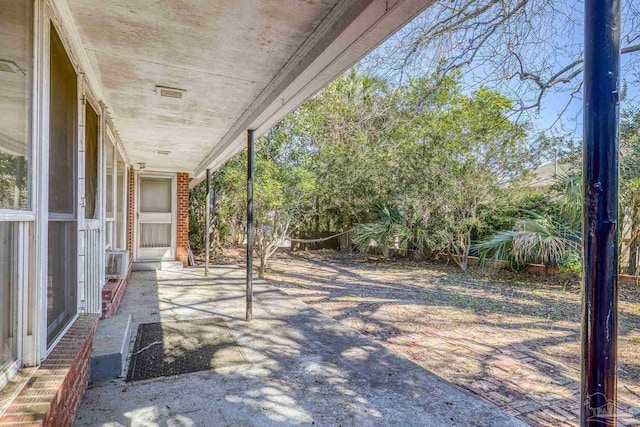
{"x": 223, "y": 53}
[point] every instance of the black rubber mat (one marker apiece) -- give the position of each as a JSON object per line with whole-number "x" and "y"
{"x": 173, "y": 348}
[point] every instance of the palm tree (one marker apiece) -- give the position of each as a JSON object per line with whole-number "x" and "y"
{"x": 392, "y": 228}
{"x": 538, "y": 238}
{"x": 533, "y": 240}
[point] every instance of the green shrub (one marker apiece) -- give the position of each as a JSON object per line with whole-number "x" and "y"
{"x": 571, "y": 262}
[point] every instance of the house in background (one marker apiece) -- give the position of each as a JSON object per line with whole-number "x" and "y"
{"x": 548, "y": 174}
{"x": 109, "y": 112}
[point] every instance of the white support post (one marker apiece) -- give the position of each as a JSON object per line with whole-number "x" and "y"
{"x": 80, "y": 211}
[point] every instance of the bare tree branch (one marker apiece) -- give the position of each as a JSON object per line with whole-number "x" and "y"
{"x": 524, "y": 47}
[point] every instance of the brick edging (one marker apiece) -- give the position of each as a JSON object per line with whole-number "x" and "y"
{"x": 110, "y": 304}
{"x": 52, "y": 396}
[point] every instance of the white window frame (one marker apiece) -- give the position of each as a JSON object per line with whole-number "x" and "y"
{"x": 47, "y": 13}
{"x": 124, "y": 199}
{"x": 113, "y": 241}
{"x": 110, "y": 218}
{"x": 91, "y": 277}
{"x": 48, "y": 17}
{"x": 21, "y": 276}
{"x": 49, "y": 20}
{"x": 28, "y": 233}
{"x": 17, "y": 215}
{"x": 89, "y": 99}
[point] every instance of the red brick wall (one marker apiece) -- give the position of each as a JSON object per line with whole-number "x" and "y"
{"x": 53, "y": 394}
{"x": 112, "y": 293}
{"x": 182, "y": 227}
{"x": 132, "y": 212}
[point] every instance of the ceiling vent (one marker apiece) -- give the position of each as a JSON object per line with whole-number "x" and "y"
{"x": 162, "y": 152}
{"x": 171, "y": 92}
{"x": 8, "y": 66}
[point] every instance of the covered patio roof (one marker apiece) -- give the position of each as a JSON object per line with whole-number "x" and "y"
{"x": 238, "y": 65}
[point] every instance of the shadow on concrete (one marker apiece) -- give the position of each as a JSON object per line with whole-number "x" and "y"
{"x": 511, "y": 328}
{"x": 304, "y": 368}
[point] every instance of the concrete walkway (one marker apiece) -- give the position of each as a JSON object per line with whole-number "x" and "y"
{"x": 305, "y": 368}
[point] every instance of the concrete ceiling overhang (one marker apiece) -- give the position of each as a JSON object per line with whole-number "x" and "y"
{"x": 242, "y": 64}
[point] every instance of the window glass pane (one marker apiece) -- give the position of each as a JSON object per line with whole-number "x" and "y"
{"x": 156, "y": 195}
{"x": 120, "y": 203}
{"x": 8, "y": 293}
{"x": 109, "y": 155}
{"x": 91, "y": 163}
{"x": 155, "y": 235}
{"x": 62, "y": 130}
{"x": 16, "y": 33}
{"x": 109, "y": 240}
{"x": 62, "y": 286}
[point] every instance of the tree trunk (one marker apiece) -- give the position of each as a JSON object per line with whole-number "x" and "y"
{"x": 633, "y": 256}
{"x": 263, "y": 266}
{"x": 345, "y": 239}
{"x": 385, "y": 251}
{"x": 317, "y": 215}
{"x": 466, "y": 248}
{"x": 464, "y": 261}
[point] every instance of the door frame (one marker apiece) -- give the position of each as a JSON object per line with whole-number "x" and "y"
{"x": 174, "y": 212}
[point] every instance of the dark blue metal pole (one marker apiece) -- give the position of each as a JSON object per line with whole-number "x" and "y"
{"x": 207, "y": 224}
{"x": 600, "y": 212}
{"x": 249, "y": 314}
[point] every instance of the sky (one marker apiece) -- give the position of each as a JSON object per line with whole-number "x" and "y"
{"x": 554, "y": 102}
{"x": 557, "y": 39}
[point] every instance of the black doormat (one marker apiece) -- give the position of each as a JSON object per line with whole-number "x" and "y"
{"x": 173, "y": 348}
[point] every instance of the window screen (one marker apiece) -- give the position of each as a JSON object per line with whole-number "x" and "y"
{"x": 61, "y": 285}
{"x": 62, "y": 129}
{"x": 156, "y": 195}
{"x": 91, "y": 163}
{"x": 109, "y": 161}
{"x": 63, "y": 230}
{"x": 121, "y": 205}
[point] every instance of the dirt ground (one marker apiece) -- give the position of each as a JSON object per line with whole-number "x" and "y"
{"x": 512, "y": 338}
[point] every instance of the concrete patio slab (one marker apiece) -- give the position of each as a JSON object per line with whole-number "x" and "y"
{"x": 304, "y": 368}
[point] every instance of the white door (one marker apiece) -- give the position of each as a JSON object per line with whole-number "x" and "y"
{"x": 155, "y": 240}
